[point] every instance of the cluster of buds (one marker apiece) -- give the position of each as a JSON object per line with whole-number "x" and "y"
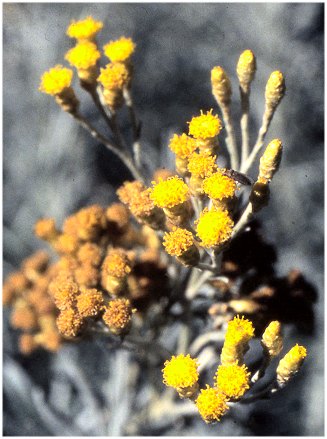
{"x": 232, "y": 378}
{"x": 114, "y": 78}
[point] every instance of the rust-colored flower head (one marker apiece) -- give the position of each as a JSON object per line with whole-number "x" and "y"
{"x": 89, "y": 254}
{"x": 118, "y": 217}
{"x": 66, "y": 244}
{"x": 180, "y": 243}
{"x": 118, "y": 316}
{"x": 23, "y": 316}
{"x": 129, "y": 190}
{"x": 89, "y": 302}
{"x": 45, "y": 229}
{"x": 69, "y": 323}
{"x": 115, "y": 268}
{"x": 64, "y": 291}
{"x": 49, "y": 339}
{"x": 35, "y": 264}
{"x": 26, "y": 344}
{"x": 91, "y": 222}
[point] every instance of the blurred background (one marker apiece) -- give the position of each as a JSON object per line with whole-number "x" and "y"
{"x": 51, "y": 168}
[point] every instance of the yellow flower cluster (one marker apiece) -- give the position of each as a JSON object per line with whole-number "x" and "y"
{"x": 218, "y": 186}
{"x": 212, "y": 404}
{"x": 169, "y": 193}
{"x": 119, "y": 50}
{"x": 182, "y": 145}
{"x": 233, "y": 380}
{"x": 84, "y": 29}
{"x": 205, "y": 126}
{"x": 114, "y": 76}
{"x": 181, "y": 373}
{"x": 214, "y": 227}
{"x": 56, "y": 80}
{"x": 83, "y": 56}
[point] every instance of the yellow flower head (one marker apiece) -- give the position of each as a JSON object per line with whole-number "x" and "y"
{"x": 290, "y": 364}
{"x": 180, "y": 371}
{"x": 119, "y": 50}
{"x": 211, "y": 404}
{"x": 83, "y": 56}
{"x": 239, "y": 330}
{"x": 142, "y": 205}
{"x": 55, "y": 80}
{"x": 233, "y": 380}
{"x": 89, "y": 253}
{"x": 84, "y": 29}
{"x": 214, "y": 227}
{"x": 205, "y": 126}
{"x": 178, "y": 241}
{"x": 183, "y": 145}
{"x": 202, "y": 165}
{"x": 219, "y": 186}
{"x": 169, "y": 193}
{"x": 45, "y": 228}
{"x": 114, "y": 76}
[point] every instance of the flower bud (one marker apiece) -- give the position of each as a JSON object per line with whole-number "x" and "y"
{"x": 221, "y": 86}
{"x": 270, "y": 160}
{"x": 272, "y": 340}
{"x": 246, "y": 68}
{"x": 290, "y": 364}
{"x": 275, "y": 89}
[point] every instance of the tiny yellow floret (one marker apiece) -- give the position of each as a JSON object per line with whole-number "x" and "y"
{"x": 84, "y": 29}
{"x": 214, "y": 227}
{"x": 205, "y": 126}
{"x": 55, "y": 80}
{"x": 169, "y": 193}
{"x": 114, "y": 76}
{"x": 212, "y": 404}
{"x": 119, "y": 50}
{"x": 202, "y": 165}
{"x": 183, "y": 145}
{"x": 180, "y": 371}
{"x": 219, "y": 186}
{"x": 233, "y": 380}
{"x": 83, "y": 56}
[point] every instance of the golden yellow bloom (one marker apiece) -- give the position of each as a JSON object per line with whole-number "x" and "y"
{"x": 169, "y": 193}
{"x": 116, "y": 263}
{"x": 238, "y": 334}
{"x": 246, "y": 68}
{"x": 221, "y": 85}
{"x": 270, "y": 160}
{"x": 219, "y": 186}
{"x": 45, "y": 229}
{"x": 214, "y": 227}
{"x": 205, "y": 126}
{"x": 83, "y": 56}
{"x": 55, "y": 80}
{"x": 181, "y": 373}
{"x": 89, "y": 302}
{"x": 212, "y": 404}
{"x": 118, "y": 316}
{"x": 275, "y": 89}
{"x": 290, "y": 364}
{"x": 145, "y": 211}
{"x": 114, "y": 76}
{"x": 180, "y": 243}
{"x": 272, "y": 340}
{"x": 202, "y": 165}
{"x": 69, "y": 323}
{"x": 84, "y": 29}
{"x": 23, "y": 316}
{"x": 233, "y": 380}
{"x": 239, "y": 330}
{"x": 35, "y": 264}
{"x": 119, "y": 50}
{"x": 183, "y": 145}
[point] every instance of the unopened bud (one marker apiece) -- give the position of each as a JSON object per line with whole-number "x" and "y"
{"x": 221, "y": 85}
{"x": 246, "y": 68}
{"x": 275, "y": 89}
{"x": 270, "y": 160}
{"x": 272, "y": 340}
{"x": 290, "y": 364}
